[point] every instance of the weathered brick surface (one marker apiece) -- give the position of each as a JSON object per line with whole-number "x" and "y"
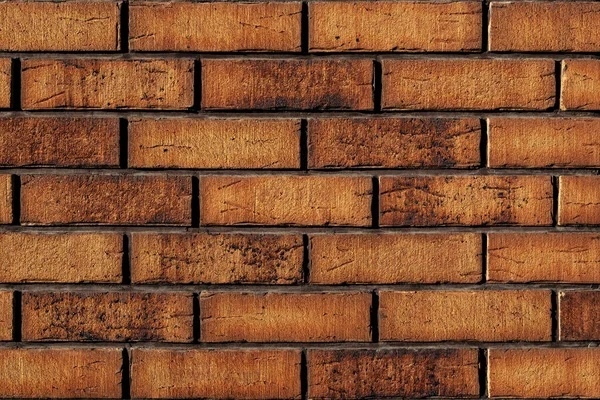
{"x": 105, "y": 199}
{"x": 280, "y": 84}
{"x": 284, "y": 317}
{"x": 285, "y": 200}
{"x": 5, "y": 80}
{"x": 246, "y": 374}
{"x": 6, "y": 211}
{"x": 107, "y": 84}
{"x": 393, "y": 142}
{"x": 64, "y": 316}
{"x": 392, "y": 373}
{"x": 214, "y": 143}
{"x": 579, "y": 200}
{"x": 484, "y": 316}
{"x": 365, "y": 26}
{"x": 187, "y": 26}
{"x": 68, "y": 26}
{"x": 466, "y": 200}
{"x": 395, "y": 258}
{"x": 579, "y": 315}
{"x": 216, "y": 259}
{"x": 468, "y": 84}
{"x": 6, "y": 316}
{"x": 580, "y": 85}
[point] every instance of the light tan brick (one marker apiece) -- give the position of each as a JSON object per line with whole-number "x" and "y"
{"x": 579, "y": 200}
{"x": 580, "y": 85}
{"x": 579, "y": 315}
{"x": 5, "y": 82}
{"x": 6, "y": 211}
{"x": 6, "y": 316}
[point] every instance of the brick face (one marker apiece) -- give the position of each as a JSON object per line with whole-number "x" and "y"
{"x": 6, "y": 211}
{"x": 5, "y": 81}
{"x": 6, "y": 316}
{"x": 578, "y": 202}
{"x": 579, "y": 315}
{"x": 580, "y": 85}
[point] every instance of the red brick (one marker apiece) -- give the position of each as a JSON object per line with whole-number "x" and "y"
{"x": 579, "y": 200}
{"x": 6, "y": 212}
{"x": 5, "y": 81}
{"x": 580, "y": 85}
{"x": 579, "y": 315}
{"x": 6, "y": 316}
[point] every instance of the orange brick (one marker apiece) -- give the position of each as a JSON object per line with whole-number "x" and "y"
{"x": 484, "y": 316}
{"x": 6, "y": 216}
{"x": 242, "y": 374}
{"x": 579, "y": 200}
{"x": 214, "y": 143}
{"x": 117, "y": 316}
{"x": 393, "y": 142}
{"x": 392, "y": 258}
{"x": 544, "y": 373}
{"x": 69, "y": 26}
{"x": 107, "y": 84}
{"x": 60, "y": 373}
{"x": 544, "y": 26}
{"x": 397, "y": 373}
{"x": 284, "y": 317}
{"x": 285, "y": 200}
{"x": 296, "y": 84}
{"x": 59, "y": 142}
{"x": 63, "y": 258}
{"x": 5, "y": 81}
{"x": 216, "y": 259}
{"x": 370, "y": 26}
{"x": 543, "y": 143}
{"x": 468, "y": 84}
{"x": 579, "y": 315}
{"x": 106, "y": 199}
{"x": 186, "y": 26}
{"x": 580, "y": 85}
{"x": 6, "y": 316}
{"x": 466, "y": 200}
{"x": 544, "y": 257}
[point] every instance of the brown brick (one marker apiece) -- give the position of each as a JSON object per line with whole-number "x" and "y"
{"x": 285, "y": 317}
{"x": 371, "y": 26}
{"x": 580, "y": 85}
{"x": 68, "y": 26}
{"x": 5, "y": 82}
{"x": 106, "y": 199}
{"x": 466, "y": 200}
{"x": 6, "y": 316}
{"x": 216, "y": 259}
{"x": 579, "y": 200}
{"x": 543, "y": 142}
{"x": 60, "y": 373}
{"x": 214, "y": 143}
{"x": 116, "y": 316}
{"x": 484, "y": 316}
{"x": 393, "y": 142}
{"x": 393, "y": 258}
{"x": 6, "y": 216}
{"x": 396, "y": 373}
{"x": 184, "y": 26}
{"x": 544, "y": 373}
{"x": 285, "y": 200}
{"x": 63, "y": 258}
{"x": 242, "y": 374}
{"x": 59, "y": 142}
{"x": 579, "y": 314}
{"x": 545, "y": 26}
{"x": 297, "y": 84}
{"x": 107, "y": 84}
{"x": 544, "y": 257}
{"x": 468, "y": 84}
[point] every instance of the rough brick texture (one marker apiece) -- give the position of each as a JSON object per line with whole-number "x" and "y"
{"x": 6, "y": 316}
{"x": 579, "y": 315}
{"x": 6, "y": 197}
{"x": 579, "y": 200}
{"x": 5, "y": 81}
{"x": 580, "y": 85}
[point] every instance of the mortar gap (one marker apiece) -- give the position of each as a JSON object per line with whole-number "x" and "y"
{"x": 304, "y": 144}
{"x": 377, "y": 86}
{"x": 126, "y": 376}
{"x": 306, "y": 259}
{"x": 375, "y": 202}
{"x": 17, "y": 322}
{"x": 15, "y": 84}
{"x": 375, "y": 317}
{"x": 483, "y": 143}
{"x": 124, "y": 21}
{"x": 484, "y": 261}
{"x": 304, "y": 28}
{"x": 196, "y": 321}
{"x": 485, "y": 26}
{"x": 195, "y": 202}
{"x": 558, "y": 80}
{"x": 123, "y": 142}
{"x": 303, "y": 374}
{"x": 197, "y": 104}
{"x": 555, "y": 327}
{"x": 126, "y": 269}
{"x": 483, "y": 383}
{"x": 555, "y": 190}
{"x": 16, "y": 199}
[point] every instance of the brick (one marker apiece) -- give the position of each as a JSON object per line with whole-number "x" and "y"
{"x": 59, "y": 142}
{"x": 483, "y": 316}
{"x": 284, "y": 317}
{"x": 214, "y": 143}
{"x": 181, "y": 26}
{"x": 61, "y": 373}
{"x": 543, "y": 142}
{"x": 297, "y": 84}
{"x": 285, "y": 200}
{"x": 116, "y": 316}
{"x": 543, "y": 257}
{"x": 242, "y": 374}
{"x": 539, "y": 26}
{"x": 6, "y": 211}
{"x": 466, "y": 200}
{"x": 105, "y": 199}
{"x": 579, "y": 200}
{"x": 580, "y": 85}
{"x": 544, "y": 372}
{"x": 393, "y": 142}
{"x": 579, "y": 315}
{"x": 61, "y": 258}
{"x": 6, "y": 316}
{"x": 405, "y": 373}
{"x": 216, "y": 259}
{"x": 69, "y": 26}
{"x": 468, "y": 84}
{"x": 369, "y": 26}
{"x": 5, "y": 82}
{"x": 394, "y": 258}
{"x": 107, "y": 84}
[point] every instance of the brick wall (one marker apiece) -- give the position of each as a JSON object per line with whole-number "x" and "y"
{"x": 319, "y": 199}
